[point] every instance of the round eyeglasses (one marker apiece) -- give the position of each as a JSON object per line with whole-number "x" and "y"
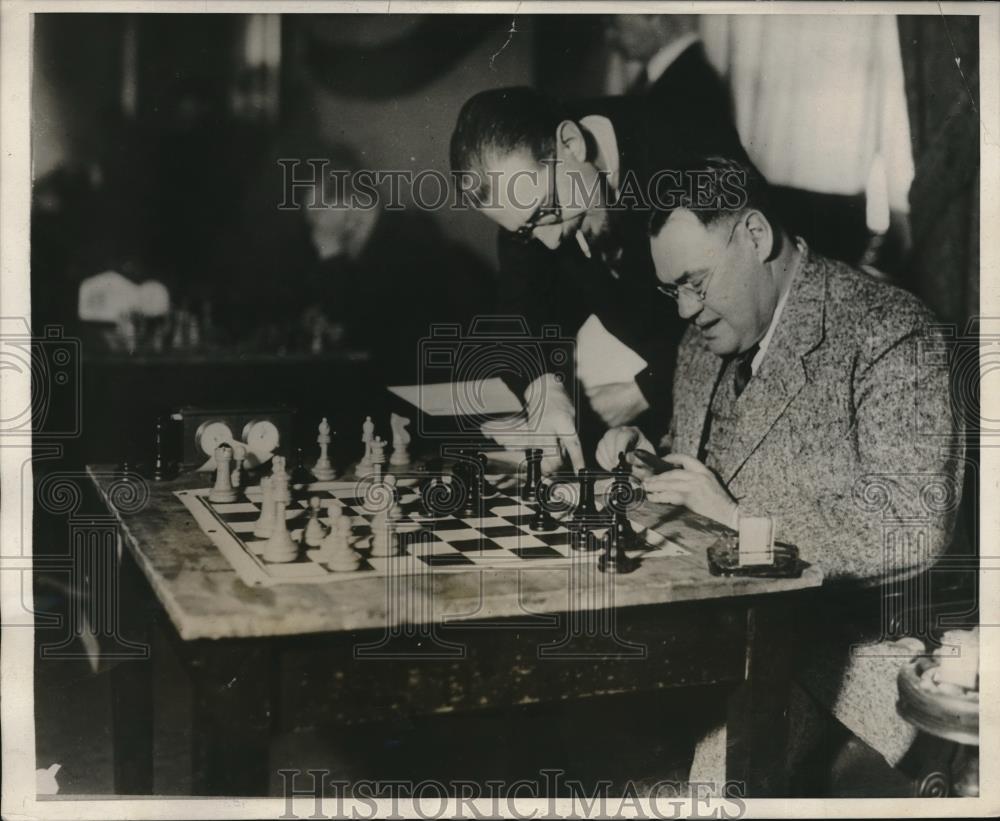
{"x": 699, "y": 291}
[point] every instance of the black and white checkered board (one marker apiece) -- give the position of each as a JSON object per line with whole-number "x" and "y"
{"x": 500, "y": 538}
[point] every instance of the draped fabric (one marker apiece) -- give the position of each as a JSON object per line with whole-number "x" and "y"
{"x": 819, "y": 101}
{"x": 941, "y": 64}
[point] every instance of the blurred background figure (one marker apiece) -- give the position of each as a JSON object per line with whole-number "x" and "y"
{"x": 666, "y": 56}
{"x": 342, "y": 268}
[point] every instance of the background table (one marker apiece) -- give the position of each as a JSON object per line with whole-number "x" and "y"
{"x": 433, "y": 644}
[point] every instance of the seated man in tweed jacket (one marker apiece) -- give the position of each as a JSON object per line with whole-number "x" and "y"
{"x": 806, "y": 391}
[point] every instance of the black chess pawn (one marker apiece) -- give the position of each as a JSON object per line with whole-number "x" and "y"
{"x": 486, "y": 488}
{"x": 623, "y": 468}
{"x": 438, "y": 498}
{"x": 586, "y": 515}
{"x": 542, "y": 520}
{"x": 620, "y": 496}
{"x": 428, "y": 494}
{"x": 466, "y": 473}
{"x": 583, "y": 540}
{"x": 534, "y": 475}
{"x": 301, "y": 475}
{"x": 614, "y": 559}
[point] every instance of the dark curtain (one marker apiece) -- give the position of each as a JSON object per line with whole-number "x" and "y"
{"x": 941, "y": 67}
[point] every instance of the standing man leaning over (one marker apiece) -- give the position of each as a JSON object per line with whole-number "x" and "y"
{"x": 569, "y": 189}
{"x": 806, "y": 391}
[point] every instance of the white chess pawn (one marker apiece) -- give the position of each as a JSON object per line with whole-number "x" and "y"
{"x": 323, "y": 470}
{"x": 337, "y": 522}
{"x": 346, "y": 528}
{"x": 265, "y": 524}
{"x": 400, "y": 440}
{"x": 336, "y": 551}
{"x": 223, "y": 490}
{"x": 330, "y": 529}
{"x": 383, "y": 537}
{"x": 315, "y": 531}
{"x": 280, "y": 481}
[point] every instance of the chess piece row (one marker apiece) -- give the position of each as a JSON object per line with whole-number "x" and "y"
{"x": 374, "y": 456}
{"x": 619, "y": 535}
{"x": 230, "y": 457}
{"x": 331, "y": 541}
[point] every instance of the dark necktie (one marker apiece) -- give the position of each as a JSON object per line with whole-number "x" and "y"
{"x": 743, "y": 371}
{"x": 639, "y": 85}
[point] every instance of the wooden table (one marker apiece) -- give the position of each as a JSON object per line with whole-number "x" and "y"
{"x": 436, "y": 644}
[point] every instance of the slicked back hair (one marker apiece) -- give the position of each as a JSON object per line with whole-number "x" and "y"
{"x": 499, "y": 122}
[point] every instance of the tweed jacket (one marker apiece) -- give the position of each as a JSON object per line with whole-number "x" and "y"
{"x": 846, "y": 435}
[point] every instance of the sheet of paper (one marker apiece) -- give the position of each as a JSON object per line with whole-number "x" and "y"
{"x": 485, "y": 397}
{"x": 601, "y": 358}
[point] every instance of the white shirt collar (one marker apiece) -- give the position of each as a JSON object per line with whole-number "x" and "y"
{"x": 607, "y": 144}
{"x": 603, "y": 133}
{"x": 661, "y": 61}
{"x": 762, "y": 345}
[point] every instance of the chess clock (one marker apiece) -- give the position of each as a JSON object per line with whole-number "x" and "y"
{"x": 262, "y": 430}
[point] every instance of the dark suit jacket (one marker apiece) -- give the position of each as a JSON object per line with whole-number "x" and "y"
{"x": 562, "y": 287}
{"x": 691, "y": 89}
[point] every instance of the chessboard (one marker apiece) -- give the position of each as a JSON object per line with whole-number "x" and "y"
{"x": 498, "y": 538}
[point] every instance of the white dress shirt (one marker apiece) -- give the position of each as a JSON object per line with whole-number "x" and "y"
{"x": 662, "y": 60}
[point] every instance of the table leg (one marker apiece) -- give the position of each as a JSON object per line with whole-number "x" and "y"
{"x": 132, "y": 688}
{"x": 233, "y": 718}
{"x": 757, "y": 721}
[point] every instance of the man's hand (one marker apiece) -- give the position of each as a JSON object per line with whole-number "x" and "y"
{"x": 554, "y": 435}
{"x": 618, "y": 403}
{"x": 624, "y": 439}
{"x": 694, "y": 486}
{"x": 548, "y": 422}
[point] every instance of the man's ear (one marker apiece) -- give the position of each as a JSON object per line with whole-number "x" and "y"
{"x": 761, "y": 234}
{"x": 570, "y": 139}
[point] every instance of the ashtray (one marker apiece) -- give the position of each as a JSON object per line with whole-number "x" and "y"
{"x": 953, "y": 717}
{"x": 723, "y": 560}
